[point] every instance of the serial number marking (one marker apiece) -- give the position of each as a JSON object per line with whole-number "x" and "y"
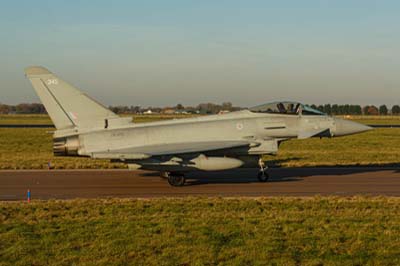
{"x": 52, "y": 82}
{"x": 117, "y": 134}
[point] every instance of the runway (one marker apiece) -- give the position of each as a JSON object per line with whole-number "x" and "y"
{"x": 68, "y": 184}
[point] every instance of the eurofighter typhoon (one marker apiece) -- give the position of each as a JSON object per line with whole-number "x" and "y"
{"x": 209, "y": 143}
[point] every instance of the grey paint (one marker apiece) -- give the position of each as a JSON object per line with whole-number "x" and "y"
{"x": 216, "y": 142}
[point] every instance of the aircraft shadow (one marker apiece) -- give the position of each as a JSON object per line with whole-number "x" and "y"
{"x": 277, "y": 174}
{"x": 238, "y": 176}
{"x": 292, "y": 174}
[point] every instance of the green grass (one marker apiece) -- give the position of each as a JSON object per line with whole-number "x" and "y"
{"x": 199, "y": 231}
{"x": 376, "y": 120}
{"x": 25, "y": 119}
{"x": 44, "y": 119}
{"x": 377, "y": 147}
{"x": 32, "y": 148}
{"x": 203, "y": 231}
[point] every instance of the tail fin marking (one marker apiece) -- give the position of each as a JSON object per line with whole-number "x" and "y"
{"x": 67, "y": 106}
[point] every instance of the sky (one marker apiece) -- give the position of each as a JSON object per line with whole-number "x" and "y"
{"x": 160, "y": 53}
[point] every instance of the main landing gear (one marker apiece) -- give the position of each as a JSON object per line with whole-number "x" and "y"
{"x": 175, "y": 179}
{"x": 262, "y": 174}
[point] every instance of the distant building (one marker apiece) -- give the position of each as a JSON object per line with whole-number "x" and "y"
{"x": 168, "y": 111}
{"x": 181, "y": 112}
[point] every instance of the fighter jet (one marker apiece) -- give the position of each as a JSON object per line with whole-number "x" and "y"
{"x": 86, "y": 128}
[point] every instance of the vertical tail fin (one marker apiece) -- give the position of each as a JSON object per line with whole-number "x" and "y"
{"x": 67, "y": 106}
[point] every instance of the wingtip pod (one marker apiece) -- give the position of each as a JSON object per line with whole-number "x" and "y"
{"x": 36, "y": 71}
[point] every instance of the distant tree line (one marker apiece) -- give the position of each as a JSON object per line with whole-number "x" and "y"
{"x": 23, "y": 108}
{"x": 349, "y": 109}
{"x": 203, "y": 108}
{"x": 211, "y": 108}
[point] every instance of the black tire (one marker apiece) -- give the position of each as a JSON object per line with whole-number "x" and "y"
{"x": 262, "y": 176}
{"x": 176, "y": 180}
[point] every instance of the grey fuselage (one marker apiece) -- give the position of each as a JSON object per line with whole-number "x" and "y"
{"x": 263, "y": 132}
{"x": 216, "y": 142}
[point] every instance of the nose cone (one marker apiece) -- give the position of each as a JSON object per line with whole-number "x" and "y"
{"x": 346, "y": 127}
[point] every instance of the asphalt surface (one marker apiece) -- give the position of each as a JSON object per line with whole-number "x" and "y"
{"x": 68, "y": 184}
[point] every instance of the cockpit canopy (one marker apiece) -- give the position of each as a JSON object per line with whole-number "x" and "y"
{"x": 288, "y": 108}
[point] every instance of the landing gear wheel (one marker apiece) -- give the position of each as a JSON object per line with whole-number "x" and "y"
{"x": 176, "y": 180}
{"x": 262, "y": 176}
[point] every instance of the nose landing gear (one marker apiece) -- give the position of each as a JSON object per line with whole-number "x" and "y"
{"x": 262, "y": 174}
